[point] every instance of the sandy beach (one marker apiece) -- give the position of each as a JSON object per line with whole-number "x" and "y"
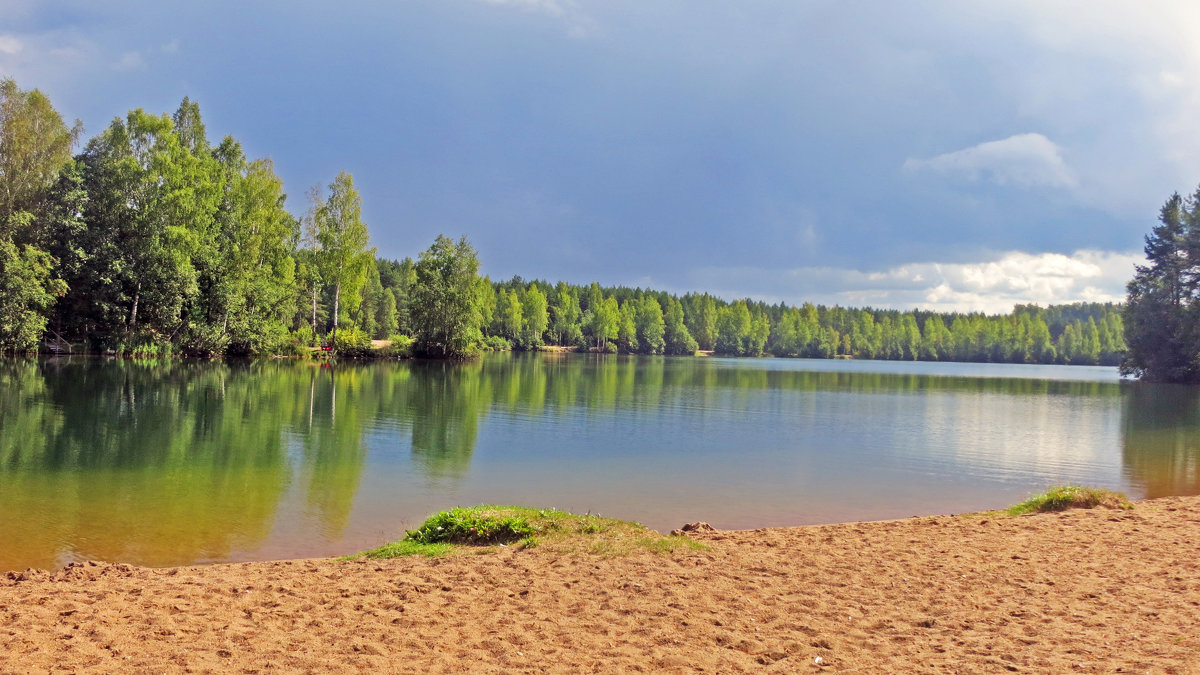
{"x": 1081, "y": 591}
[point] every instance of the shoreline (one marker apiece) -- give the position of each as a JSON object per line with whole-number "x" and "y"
{"x": 371, "y": 355}
{"x": 1075, "y": 591}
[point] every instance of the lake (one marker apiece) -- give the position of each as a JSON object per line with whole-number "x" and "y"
{"x": 177, "y": 462}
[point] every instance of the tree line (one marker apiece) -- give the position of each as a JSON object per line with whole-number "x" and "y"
{"x": 527, "y": 315}
{"x": 152, "y": 240}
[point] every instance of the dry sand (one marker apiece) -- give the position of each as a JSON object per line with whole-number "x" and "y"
{"x": 1083, "y": 591}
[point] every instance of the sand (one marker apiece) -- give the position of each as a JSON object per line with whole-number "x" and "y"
{"x": 1082, "y": 591}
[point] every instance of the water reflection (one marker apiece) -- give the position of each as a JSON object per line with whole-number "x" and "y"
{"x": 444, "y": 403}
{"x": 178, "y": 462}
{"x": 1161, "y": 438}
{"x": 133, "y": 461}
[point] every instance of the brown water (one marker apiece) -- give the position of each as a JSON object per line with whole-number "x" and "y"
{"x": 176, "y": 463}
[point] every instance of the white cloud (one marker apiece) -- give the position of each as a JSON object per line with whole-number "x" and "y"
{"x": 1118, "y": 83}
{"x": 171, "y": 47}
{"x": 1024, "y": 159}
{"x": 10, "y": 45}
{"x": 41, "y": 60}
{"x": 991, "y": 286}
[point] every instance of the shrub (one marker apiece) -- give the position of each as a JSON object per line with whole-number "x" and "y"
{"x": 352, "y": 341}
{"x": 290, "y": 348}
{"x": 470, "y": 526}
{"x": 561, "y": 532}
{"x": 495, "y": 343}
{"x": 146, "y": 348}
{"x": 1063, "y": 497}
{"x": 401, "y": 347}
{"x": 304, "y": 336}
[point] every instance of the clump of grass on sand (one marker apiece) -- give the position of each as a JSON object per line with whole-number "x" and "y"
{"x": 1063, "y": 497}
{"x": 483, "y": 528}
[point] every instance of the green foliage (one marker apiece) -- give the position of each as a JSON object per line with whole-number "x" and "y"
{"x": 400, "y": 346}
{"x": 446, "y": 312}
{"x": 700, "y": 315}
{"x": 734, "y": 330}
{"x": 340, "y": 240}
{"x": 605, "y": 321}
{"x": 27, "y": 290}
{"x": 1063, "y": 497}
{"x": 651, "y": 328}
{"x": 495, "y": 343}
{"x": 34, "y": 146}
{"x": 1162, "y": 315}
{"x": 508, "y": 316}
{"x": 405, "y": 547}
{"x": 251, "y": 281}
{"x": 556, "y": 530}
{"x": 304, "y": 336}
{"x": 291, "y": 347}
{"x": 470, "y": 526}
{"x": 535, "y": 318}
{"x": 627, "y": 340}
{"x": 351, "y": 341}
{"x": 677, "y": 339}
{"x": 566, "y": 318}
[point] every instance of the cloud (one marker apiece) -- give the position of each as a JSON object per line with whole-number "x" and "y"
{"x": 171, "y": 47}
{"x": 991, "y": 286}
{"x": 1025, "y": 159}
{"x": 10, "y": 45}
{"x": 1116, "y": 83}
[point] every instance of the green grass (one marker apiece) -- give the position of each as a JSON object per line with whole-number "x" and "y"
{"x": 478, "y": 525}
{"x": 1063, "y": 497}
{"x": 404, "y": 547}
{"x": 471, "y": 529}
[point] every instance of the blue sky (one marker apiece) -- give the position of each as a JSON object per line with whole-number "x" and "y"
{"x": 948, "y": 155}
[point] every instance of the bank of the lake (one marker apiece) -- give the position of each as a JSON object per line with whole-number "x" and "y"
{"x": 1080, "y": 591}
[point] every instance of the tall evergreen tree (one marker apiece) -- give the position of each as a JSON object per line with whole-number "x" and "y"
{"x": 1161, "y": 314}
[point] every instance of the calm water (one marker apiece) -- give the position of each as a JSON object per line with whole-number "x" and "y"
{"x": 176, "y": 463}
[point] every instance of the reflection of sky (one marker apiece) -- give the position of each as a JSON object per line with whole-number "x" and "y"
{"x": 769, "y": 454}
{"x": 989, "y": 370}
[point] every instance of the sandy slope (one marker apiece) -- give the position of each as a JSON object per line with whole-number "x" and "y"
{"x": 1085, "y": 591}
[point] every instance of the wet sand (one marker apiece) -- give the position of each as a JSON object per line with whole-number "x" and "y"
{"x": 1082, "y": 591}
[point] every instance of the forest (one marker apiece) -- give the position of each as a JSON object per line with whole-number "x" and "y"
{"x": 154, "y": 240}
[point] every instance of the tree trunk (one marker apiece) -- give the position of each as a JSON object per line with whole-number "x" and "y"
{"x": 337, "y": 298}
{"x": 137, "y": 295}
{"x": 314, "y": 323}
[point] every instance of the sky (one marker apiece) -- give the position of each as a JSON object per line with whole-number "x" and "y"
{"x": 934, "y": 153}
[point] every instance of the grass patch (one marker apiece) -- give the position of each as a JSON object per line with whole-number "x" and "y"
{"x": 404, "y": 547}
{"x": 472, "y": 529}
{"x": 479, "y": 525}
{"x": 1063, "y": 497}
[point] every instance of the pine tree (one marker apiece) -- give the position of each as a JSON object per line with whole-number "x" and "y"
{"x": 1161, "y": 312}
